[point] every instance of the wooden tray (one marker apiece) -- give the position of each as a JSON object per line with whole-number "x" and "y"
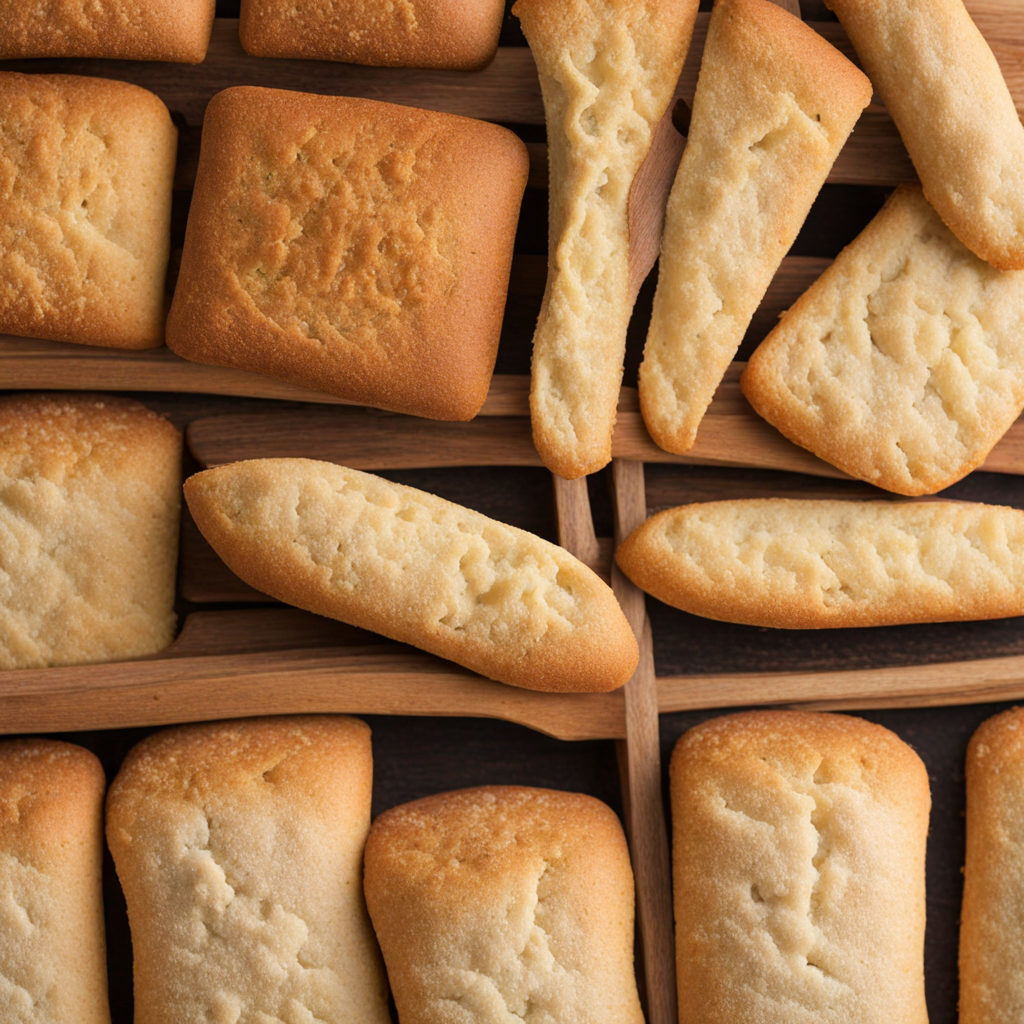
{"x": 236, "y": 655}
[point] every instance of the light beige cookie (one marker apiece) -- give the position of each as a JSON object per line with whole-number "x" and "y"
{"x": 461, "y": 35}
{"x": 86, "y": 169}
{"x": 798, "y": 862}
{"x": 173, "y": 30}
{"x": 356, "y": 248}
{"x": 504, "y": 903}
{"x": 417, "y": 568}
{"x": 239, "y": 846}
{"x": 795, "y": 564}
{"x": 608, "y": 70}
{"x": 90, "y": 498}
{"x": 53, "y": 967}
{"x": 992, "y": 923}
{"x": 774, "y": 105}
{"x": 942, "y": 85}
{"x": 902, "y": 364}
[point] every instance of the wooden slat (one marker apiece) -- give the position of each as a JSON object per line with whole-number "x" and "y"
{"x": 645, "y": 811}
{"x": 963, "y": 682}
{"x": 355, "y": 680}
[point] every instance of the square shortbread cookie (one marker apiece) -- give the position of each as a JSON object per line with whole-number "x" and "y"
{"x": 353, "y": 247}
{"x": 456, "y": 34}
{"x": 90, "y": 498}
{"x": 174, "y": 30}
{"x": 86, "y": 171}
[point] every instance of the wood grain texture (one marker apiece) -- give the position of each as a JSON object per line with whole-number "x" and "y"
{"x": 645, "y": 810}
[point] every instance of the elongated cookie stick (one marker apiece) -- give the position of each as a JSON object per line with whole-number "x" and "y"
{"x": 774, "y": 105}
{"x": 608, "y": 70}
{"x": 946, "y": 93}
{"x": 355, "y": 547}
{"x": 795, "y": 564}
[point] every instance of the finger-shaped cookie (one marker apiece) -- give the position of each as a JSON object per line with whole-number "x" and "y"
{"x": 774, "y": 105}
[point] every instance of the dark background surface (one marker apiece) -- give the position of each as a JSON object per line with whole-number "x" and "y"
{"x": 414, "y": 757}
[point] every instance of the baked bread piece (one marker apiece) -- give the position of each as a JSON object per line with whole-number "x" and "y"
{"x": 798, "y": 863}
{"x": 902, "y": 364}
{"x": 239, "y": 846}
{"x": 174, "y": 30}
{"x": 991, "y": 936}
{"x": 796, "y": 564}
{"x": 90, "y": 500}
{"x": 355, "y": 547}
{"x": 608, "y": 71}
{"x": 944, "y": 89}
{"x": 504, "y": 902}
{"x": 53, "y": 967}
{"x": 353, "y": 247}
{"x": 774, "y": 105}
{"x": 456, "y": 34}
{"x": 86, "y": 169}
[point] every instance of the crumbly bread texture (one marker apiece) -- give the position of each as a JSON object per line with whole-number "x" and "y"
{"x": 774, "y": 105}
{"x": 796, "y": 564}
{"x": 408, "y": 564}
{"x": 239, "y": 846}
{"x": 902, "y": 364}
{"x": 90, "y": 499}
{"x": 353, "y": 247}
{"x": 798, "y": 863}
{"x": 991, "y": 932}
{"x": 86, "y": 170}
{"x": 53, "y": 967}
{"x": 608, "y": 70}
{"x": 173, "y": 30}
{"x": 504, "y": 903}
{"x": 457, "y": 34}
{"x": 942, "y": 85}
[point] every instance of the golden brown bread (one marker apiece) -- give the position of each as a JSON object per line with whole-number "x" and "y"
{"x": 408, "y": 564}
{"x": 172, "y": 30}
{"x": 455, "y": 34}
{"x": 86, "y": 170}
{"x": 239, "y": 848}
{"x": 353, "y": 247}
{"x": 798, "y": 865}
{"x": 991, "y": 932}
{"x": 53, "y": 966}
{"x": 503, "y": 902}
{"x": 90, "y": 493}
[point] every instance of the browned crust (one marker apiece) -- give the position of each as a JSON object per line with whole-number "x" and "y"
{"x": 435, "y": 868}
{"x": 165, "y": 30}
{"x": 991, "y": 936}
{"x": 141, "y": 145}
{"x": 461, "y": 35}
{"x": 435, "y": 357}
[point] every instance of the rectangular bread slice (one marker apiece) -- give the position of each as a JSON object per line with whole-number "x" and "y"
{"x": 608, "y": 71}
{"x": 991, "y": 925}
{"x": 798, "y": 866}
{"x": 504, "y": 903}
{"x": 799, "y": 564}
{"x": 90, "y": 500}
{"x": 53, "y": 967}
{"x": 774, "y": 105}
{"x": 940, "y": 81}
{"x": 408, "y": 564}
{"x": 239, "y": 846}
{"x": 902, "y": 364}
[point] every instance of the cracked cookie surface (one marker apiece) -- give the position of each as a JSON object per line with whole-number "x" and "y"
{"x": 793, "y": 564}
{"x": 798, "y": 863}
{"x": 503, "y": 904}
{"x": 902, "y": 363}
{"x": 86, "y": 168}
{"x": 417, "y": 568}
